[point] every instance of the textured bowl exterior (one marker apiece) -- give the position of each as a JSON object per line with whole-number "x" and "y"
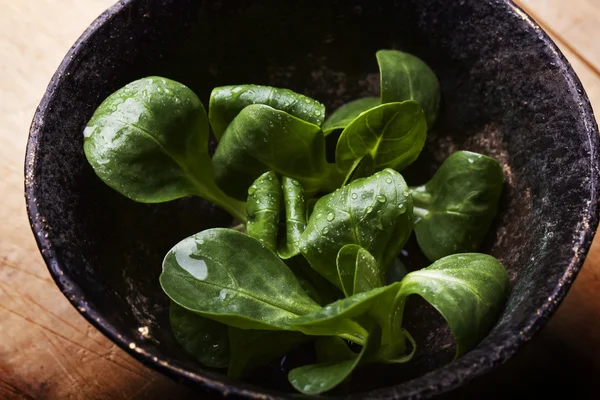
{"x": 506, "y": 92}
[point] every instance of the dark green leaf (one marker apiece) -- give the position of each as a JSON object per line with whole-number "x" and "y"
{"x": 319, "y": 378}
{"x": 332, "y": 349}
{"x": 455, "y": 209}
{"x": 264, "y": 203}
{"x": 374, "y": 213}
{"x": 405, "y": 77}
{"x": 226, "y": 102}
{"x": 469, "y": 290}
{"x": 148, "y": 141}
{"x": 203, "y": 338}
{"x": 318, "y": 288}
{"x": 234, "y": 279}
{"x": 295, "y": 217}
{"x": 388, "y": 136}
{"x": 262, "y": 138}
{"x": 357, "y": 270}
{"x": 396, "y": 272}
{"x": 342, "y": 117}
{"x": 253, "y": 348}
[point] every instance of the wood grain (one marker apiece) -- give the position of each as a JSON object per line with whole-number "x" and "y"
{"x": 47, "y": 350}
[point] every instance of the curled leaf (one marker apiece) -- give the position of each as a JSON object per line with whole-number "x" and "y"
{"x": 226, "y": 102}
{"x": 295, "y": 217}
{"x": 263, "y": 205}
{"x": 469, "y": 290}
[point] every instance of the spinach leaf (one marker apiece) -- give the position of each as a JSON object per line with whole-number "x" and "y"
{"x": 469, "y": 291}
{"x": 340, "y": 317}
{"x": 232, "y": 278}
{"x": 388, "y": 136}
{"x": 454, "y": 210}
{"x": 344, "y": 115}
{"x": 319, "y": 378}
{"x": 206, "y": 340}
{"x": 357, "y": 270}
{"x": 405, "y": 77}
{"x": 318, "y": 288}
{"x": 295, "y": 217}
{"x": 149, "y": 141}
{"x": 226, "y": 102}
{"x": 253, "y": 348}
{"x": 332, "y": 349}
{"x": 262, "y": 138}
{"x": 263, "y": 205}
{"x": 374, "y": 213}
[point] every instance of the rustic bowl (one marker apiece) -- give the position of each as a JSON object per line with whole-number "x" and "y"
{"x": 507, "y": 92}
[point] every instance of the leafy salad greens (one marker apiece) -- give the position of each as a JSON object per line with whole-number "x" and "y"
{"x": 312, "y": 259}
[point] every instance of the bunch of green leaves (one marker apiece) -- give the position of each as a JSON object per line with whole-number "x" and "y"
{"x": 320, "y": 238}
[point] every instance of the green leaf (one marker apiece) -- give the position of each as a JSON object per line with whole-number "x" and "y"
{"x": 454, "y": 210}
{"x": 226, "y": 102}
{"x": 344, "y": 115}
{"x": 357, "y": 270}
{"x": 469, "y": 290}
{"x": 396, "y": 272}
{"x": 234, "y": 279}
{"x": 388, "y": 136}
{"x": 374, "y": 213}
{"x": 318, "y": 288}
{"x": 338, "y": 318}
{"x": 332, "y": 349}
{"x": 206, "y": 340}
{"x": 262, "y": 138}
{"x": 253, "y": 348}
{"x": 405, "y": 77}
{"x": 149, "y": 141}
{"x": 295, "y": 217}
{"x": 319, "y": 378}
{"x": 263, "y": 205}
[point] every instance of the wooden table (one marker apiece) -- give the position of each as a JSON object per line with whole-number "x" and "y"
{"x": 47, "y": 350}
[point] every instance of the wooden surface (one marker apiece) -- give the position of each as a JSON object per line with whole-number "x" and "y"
{"x": 47, "y": 350}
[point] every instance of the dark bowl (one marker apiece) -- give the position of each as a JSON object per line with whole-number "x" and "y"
{"x": 507, "y": 92}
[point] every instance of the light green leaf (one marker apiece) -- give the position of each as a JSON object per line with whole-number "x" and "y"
{"x": 234, "y": 279}
{"x": 295, "y": 217}
{"x": 405, "y": 77}
{"x": 149, "y": 141}
{"x": 357, "y": 270}
{"x": 263, "y": 204}
{"x": 226, "y": 102}
{"x": 469, "y": 290}
{"x": 454, "y": 210}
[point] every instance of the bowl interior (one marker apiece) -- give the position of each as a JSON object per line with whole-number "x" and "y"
{"x": 505, "y": 93}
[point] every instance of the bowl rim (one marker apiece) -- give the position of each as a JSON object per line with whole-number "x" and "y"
{"x": 466, "y": 368}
